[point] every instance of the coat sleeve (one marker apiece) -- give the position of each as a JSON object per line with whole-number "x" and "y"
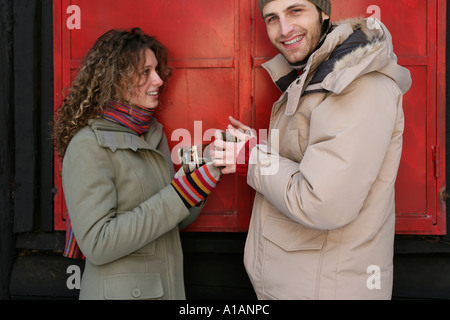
{"x": 350, "y": 134}
{"x": 102, "y": 234}
{"x": 194, "y": 212}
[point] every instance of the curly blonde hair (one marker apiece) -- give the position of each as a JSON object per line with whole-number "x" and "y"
{"x": 110, "y": 67}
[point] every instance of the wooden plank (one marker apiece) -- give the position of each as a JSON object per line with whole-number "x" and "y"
{"x": 25, "y": 113}
{"x": 6, "y": 147}
{"x": 46, "y": 116}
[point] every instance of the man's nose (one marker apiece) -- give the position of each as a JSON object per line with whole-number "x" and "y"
{"x": 286, "y": 27}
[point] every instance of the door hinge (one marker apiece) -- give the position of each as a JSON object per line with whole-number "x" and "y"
{"x": 444, "y": 194}
{"x": 436, "y": 154}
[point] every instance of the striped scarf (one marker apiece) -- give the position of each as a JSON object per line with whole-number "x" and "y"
{"x": 131, "y": 116}
{"x": 71, "y": 249}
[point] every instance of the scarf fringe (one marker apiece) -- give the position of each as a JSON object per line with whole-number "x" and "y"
{"x": 71, "y": 249}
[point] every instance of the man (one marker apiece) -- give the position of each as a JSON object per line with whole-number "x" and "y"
{"x": 322, "y": 225}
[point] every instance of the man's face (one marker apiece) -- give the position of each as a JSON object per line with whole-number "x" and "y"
{"x": 293, "y": 27}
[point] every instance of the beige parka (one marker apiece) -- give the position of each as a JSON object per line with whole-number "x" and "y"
{"x": 124, "y": 213}
{"x": 323, "y": 219}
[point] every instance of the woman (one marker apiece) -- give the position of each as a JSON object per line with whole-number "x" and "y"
{"x": 124, "y": 205}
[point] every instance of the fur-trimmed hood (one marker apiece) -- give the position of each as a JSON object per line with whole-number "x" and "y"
{"x": 352, "y": 49}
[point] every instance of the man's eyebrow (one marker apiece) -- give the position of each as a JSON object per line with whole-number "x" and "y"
{"x": 295, "y": 6}
{"x": 270, "y": 14}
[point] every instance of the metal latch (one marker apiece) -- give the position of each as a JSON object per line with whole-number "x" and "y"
{"x": 444, "y": 194}
{"x": 436, "y": 154}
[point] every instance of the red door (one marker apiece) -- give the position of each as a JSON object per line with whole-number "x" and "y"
{"x": 217, "y": 48}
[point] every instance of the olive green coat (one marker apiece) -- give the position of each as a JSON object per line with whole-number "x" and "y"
{"x": 124, "y": 212}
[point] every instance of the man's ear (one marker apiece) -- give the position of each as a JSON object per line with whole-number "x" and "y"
{"x": 325, "y": 16}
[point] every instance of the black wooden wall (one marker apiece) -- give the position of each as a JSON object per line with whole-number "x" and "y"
{"x": 31, "y": 265}
{"x": 26, "y": 110}
{"x": 33, "y": 110}
{"x": 6, "y": 146}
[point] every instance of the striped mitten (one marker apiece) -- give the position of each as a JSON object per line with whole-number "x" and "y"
{"x": 193, "y": 188}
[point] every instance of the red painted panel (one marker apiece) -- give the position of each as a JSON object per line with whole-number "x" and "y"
{"x": 412, "y": 177}
{"x": 201, "y": 39}
{"x": 217, "y": 48}
{"x": 418, "y": 31}
{"x": 203, "y": 30}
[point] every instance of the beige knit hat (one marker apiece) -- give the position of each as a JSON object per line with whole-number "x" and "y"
{"x": 325, "y": 5}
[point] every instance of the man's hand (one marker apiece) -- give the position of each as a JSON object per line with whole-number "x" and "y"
{"x": 225, "y": 153}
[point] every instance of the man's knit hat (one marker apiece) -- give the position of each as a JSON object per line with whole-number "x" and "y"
{"x": 324, "y": 5}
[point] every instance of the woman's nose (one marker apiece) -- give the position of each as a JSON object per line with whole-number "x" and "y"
{"x": 156, "y": 80}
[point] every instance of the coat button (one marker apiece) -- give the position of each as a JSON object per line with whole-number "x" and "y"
{"x": 136, "y": 293}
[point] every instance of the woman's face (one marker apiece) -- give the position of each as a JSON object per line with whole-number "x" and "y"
{"x": 146, "y": 91}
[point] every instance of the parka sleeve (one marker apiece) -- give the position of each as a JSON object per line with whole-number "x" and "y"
{"x": 350, "y": 135}
{"x": 102, "y": 234}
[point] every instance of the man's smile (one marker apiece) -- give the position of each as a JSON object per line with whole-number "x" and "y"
{"x": 293, "y": 41}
